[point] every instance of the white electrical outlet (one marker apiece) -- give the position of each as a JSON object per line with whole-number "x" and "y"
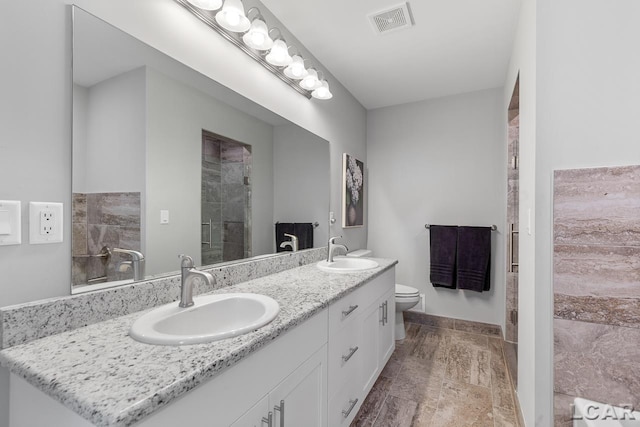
{"x": 45, "y": 223}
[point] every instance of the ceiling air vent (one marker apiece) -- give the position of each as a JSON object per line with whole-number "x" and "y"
{"x": 392, "y": 19}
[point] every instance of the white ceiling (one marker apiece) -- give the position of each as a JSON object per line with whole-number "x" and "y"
{"x": 455, "y": 46}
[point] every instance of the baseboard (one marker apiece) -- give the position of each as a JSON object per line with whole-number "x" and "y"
{"x": 451, "y": 323}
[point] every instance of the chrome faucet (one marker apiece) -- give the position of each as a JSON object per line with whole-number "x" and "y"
{"x": 293, "y": 243}
{"x": 331, "y": 248}
{"x": 189, "y": 273}
{"x": 137, "y": 261}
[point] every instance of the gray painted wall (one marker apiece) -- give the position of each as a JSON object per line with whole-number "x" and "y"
{"x": 441, "y": 161}
{"x": 300, "y": 175}
{"x": 114, "y": 148}
{"x": 176, "y": 116}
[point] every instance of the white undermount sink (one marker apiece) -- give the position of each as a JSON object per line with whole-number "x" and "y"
{"x": 347, "y": 264}
{"x": 211, "y": 318}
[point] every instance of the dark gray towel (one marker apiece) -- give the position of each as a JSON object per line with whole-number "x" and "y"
{"x": 443, "y": 242}
{"x": 281, "y": 228}
{"x": 304, "y": 232}
{"x": 474, "y": 258}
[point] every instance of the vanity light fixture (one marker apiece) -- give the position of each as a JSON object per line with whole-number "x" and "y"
{"x": 206, "y": 4}
{"x": 252, "y": 35}
{"x": 232, "y": 18}
{"x": 311, "y": 82}
{"x": 323, "y": 91}
{"x": 296, "y": 69}
{"x": 279, "y": 54}
{"x": 258, "y": 35}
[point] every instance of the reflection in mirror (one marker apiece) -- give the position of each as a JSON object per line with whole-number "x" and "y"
{"x": 167, "y": 161}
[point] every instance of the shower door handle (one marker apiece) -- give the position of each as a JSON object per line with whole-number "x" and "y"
{"x": 210, "y": 225}
{"x": 512, "y": 233}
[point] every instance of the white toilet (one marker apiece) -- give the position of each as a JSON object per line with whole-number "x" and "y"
{"x": 406, "y": 296}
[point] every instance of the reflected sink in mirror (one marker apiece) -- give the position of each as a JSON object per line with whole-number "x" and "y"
{"x": 211, "y": 318}
{"x": 347, "y": 265}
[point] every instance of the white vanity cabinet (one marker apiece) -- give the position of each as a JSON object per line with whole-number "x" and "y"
{"x": 317, "y": 374}
{"x": 299, "y": 400}
{"x": 361, "y": 340}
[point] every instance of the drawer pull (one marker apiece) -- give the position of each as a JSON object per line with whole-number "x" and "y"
{"x": 268, "y": 420}
{"x": 352, "y": 404}
{"x": 351, "y": 309}
{"x": 386, "y": 312}
{"x": 352, "y": 351}
{"x": 281, "y": 409}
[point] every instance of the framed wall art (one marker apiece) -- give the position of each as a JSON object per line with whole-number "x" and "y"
{"x": 352, "y": 192}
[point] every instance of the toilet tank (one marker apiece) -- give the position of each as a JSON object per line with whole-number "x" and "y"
{"x": 361, "y": 253}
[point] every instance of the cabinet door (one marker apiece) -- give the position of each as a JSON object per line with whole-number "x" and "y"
{"x": 253, "y": 417}
{"x": 371, "y": 323}
{"x": 301, "y": 399}
{"x": 386, "y": 329}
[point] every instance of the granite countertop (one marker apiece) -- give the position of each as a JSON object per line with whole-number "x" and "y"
{"x": 105, "y": 376}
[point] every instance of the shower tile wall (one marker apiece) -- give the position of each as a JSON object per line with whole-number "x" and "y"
{"x": 513, "y": 180}
{"x": 226, "y": 196}
{"x": 596, "y": 287}
{"x": 236, "y": 185}
{"x": 211, "y": 206}
{"x": 103, "y": 219}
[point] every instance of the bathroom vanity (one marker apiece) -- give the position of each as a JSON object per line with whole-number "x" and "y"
{"x": 313, "y": 365}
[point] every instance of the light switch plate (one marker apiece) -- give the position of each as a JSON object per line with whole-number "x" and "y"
{"x": 10, "y": 223}
{"x": 45, "y": 222}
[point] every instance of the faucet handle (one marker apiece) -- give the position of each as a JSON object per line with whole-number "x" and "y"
{"x": 293, "y": 237}
{"x": 186, "y": 261}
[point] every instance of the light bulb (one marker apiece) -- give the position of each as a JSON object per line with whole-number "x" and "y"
{"x": 258, "y": 36}
{"x": 310, "y": 82}
{"x": 206, "y": 4}
{"x": 323, "y": 91}
{"x": 296, "y": 70}
{"x": 279, "y": 54}
{"x": 231, "y": 17}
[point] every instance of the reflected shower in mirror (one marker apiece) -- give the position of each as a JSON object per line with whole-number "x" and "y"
{"x": 167, "y": 161}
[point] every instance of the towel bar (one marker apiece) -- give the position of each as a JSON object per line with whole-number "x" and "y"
{"x": 493, "y": 227}
{"x": 315, "y": 224}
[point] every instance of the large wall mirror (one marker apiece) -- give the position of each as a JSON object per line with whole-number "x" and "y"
{"x": 168, "y": 162}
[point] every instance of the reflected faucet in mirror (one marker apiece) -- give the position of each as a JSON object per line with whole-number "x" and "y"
{"x": 332, "y": 247}
{"x": 293, "y": 243}
{"x": 136, "y": 263}
{"x": 189, "y": 274}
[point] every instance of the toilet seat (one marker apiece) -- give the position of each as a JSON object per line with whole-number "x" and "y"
{"x": 403, "y": 291}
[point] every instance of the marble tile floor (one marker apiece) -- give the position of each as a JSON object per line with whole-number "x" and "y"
{"x": 441, "y": 377}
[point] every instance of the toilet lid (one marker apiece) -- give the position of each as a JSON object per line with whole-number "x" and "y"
{"x": 406, "y": 291}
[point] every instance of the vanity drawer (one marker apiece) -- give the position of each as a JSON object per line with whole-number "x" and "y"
{"x": 344, "y": 405}
{"x": 345, "y": 310}
{"x": 344, "y": 356}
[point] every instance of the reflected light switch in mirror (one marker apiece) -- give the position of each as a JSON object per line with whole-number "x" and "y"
{"x": 10, "y": 225}
{"x": 164, "y": 217}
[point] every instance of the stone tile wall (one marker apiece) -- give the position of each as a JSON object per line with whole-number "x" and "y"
{"x": 596, "y": 287}
{"x": 99, "y": 220}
